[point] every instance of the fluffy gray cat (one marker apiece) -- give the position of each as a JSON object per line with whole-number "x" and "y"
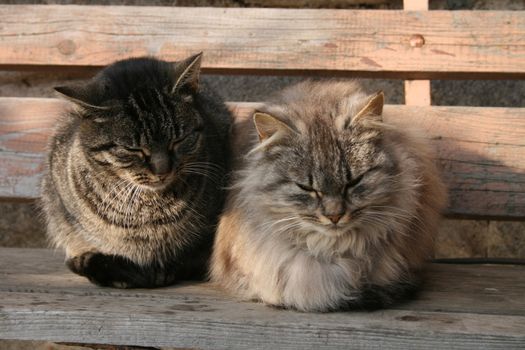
{"x": 136, "y": 173}
{"x": 332, "y": 208}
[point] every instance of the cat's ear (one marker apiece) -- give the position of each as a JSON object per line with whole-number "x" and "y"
{"x": 86, "y": 95}
{"x": 187, "y": 73}
{"x": 372, "y": 111}
{"x": 268, "y": 126}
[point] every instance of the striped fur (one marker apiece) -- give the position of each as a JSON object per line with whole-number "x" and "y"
{"x": 136, "y": 174}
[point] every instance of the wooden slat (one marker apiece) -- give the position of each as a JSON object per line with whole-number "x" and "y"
{"x": 461, "y": 307}
{"x": 417, "y": 92}
{"x": 481, "y": 150}
{"x": 472, "y": 44}
{"x": 415, "y": 5}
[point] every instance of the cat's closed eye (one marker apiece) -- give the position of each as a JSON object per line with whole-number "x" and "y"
{"x": 122, "y": 151}
{"x": 354, "y": 182}
{"x": 186, "y": 143}
{"x": 305, "y": 187}
{"x": 191, "y": 136}
{"x": 312, "y": 191}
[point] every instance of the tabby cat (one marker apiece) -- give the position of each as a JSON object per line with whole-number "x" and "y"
{"x": 333, "y": 208}
{"x": 136, "y": 172}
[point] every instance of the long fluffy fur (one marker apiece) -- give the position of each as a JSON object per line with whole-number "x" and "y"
{"x": 267, "y": 247}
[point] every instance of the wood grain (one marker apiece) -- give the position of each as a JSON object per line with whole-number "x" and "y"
{"x": 476, "y": 44}
{"x": 487, "y": 289}
{"x": 417, "y": 92}
{"x": 481, "y": 150}
{"x": 461, "y": 307}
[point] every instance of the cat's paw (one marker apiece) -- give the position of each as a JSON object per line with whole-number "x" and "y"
{"x": 103, "y": 270}
{"x": 79, "y": 264}
{"x": 375, "y": 297}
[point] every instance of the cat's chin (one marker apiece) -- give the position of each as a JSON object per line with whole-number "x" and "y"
{"x": 156, "y": 187}
{"x": 331, "y": 230}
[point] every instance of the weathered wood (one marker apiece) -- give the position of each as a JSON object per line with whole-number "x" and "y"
{"x": 313, "y": 3}
{"x": 487, "y": 289}
{"x": 455, "y": 43}
{"x": 415, "y": 5}
{"x": 109, "y": 347}
{"x": 25, "y": 125}
{"x": 461, "y": 307}
{"x": 417, "y": 92}
{"x": 481, "y": 150}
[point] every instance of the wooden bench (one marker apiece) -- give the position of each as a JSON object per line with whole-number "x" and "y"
{"x": 481, "y": 152}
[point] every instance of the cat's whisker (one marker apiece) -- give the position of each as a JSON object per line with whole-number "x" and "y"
{"x": 389, "y": 225}
{"x": 203, "y": 168}
{"x": 111, "y": 205}
{"x": 105, "y": 201}
{"x": 270, "y": 224}
{"x": 202, "y": 172}
{"x": 372, "y": 221}
{"x": 213, "y": 175}
{"x": 207, "y": 165}
{"x": 128, "y": 216}
{"x": 117, "y": 205}
{"x": 398, "y": 213}
{"x": 124, "y": 203}
{"x": 283, "y": 230}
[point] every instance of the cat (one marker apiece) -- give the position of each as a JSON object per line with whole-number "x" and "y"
{"x": 332, "y": 208}
{"x": 136, "y": 174}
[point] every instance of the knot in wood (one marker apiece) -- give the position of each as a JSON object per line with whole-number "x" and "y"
{"x": 417, "y": 40}
{"x": 67, "y": 47}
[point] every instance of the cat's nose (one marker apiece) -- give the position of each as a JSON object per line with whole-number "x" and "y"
{"x": 334, "y": 218}
{"x": 333, "y": 209}
{"x": 160, "y": 163}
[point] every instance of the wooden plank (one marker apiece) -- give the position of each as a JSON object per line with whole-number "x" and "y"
{"x": 486, "y": 289}
{"x": 25, "y": 125}
{"x": 481, "y": 150}
{"x": 476, "y": 44}
{"x": 40, "y": 299}
{"x": 417, "y": 92}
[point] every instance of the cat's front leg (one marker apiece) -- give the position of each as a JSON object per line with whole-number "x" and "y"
{"x": 375, "y": 297}
{"x": 108, "y": 270}
{"x": 119, "y": 272}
